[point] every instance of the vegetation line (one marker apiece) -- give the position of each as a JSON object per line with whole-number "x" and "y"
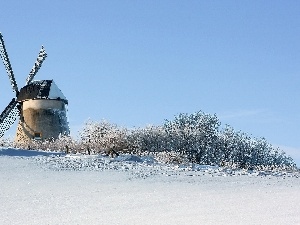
{"x": 197, "y": 138}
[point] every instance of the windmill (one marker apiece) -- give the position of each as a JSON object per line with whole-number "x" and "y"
{"x": 39, "y": 105}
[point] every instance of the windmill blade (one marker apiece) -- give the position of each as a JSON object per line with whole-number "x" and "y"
{"x": 8, "y": 116}
{"x": 37, "y": 65}
{"x": 6, "y": 62}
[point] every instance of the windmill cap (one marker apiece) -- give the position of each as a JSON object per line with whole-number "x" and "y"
{"x": 41, "y": 89}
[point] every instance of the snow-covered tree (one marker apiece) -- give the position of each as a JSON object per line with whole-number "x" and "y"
{"x": 194, "y": 136}
{"x": 103, "y": 136}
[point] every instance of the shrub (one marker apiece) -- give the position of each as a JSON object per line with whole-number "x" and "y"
{"x": 196, "y": 138}
{"x": 104, "y": 136}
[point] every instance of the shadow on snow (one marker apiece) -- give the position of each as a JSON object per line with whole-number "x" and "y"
{"x": 26, "y": 153}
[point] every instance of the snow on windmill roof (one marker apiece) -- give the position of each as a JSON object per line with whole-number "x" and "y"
{"x": 41, "y": 89}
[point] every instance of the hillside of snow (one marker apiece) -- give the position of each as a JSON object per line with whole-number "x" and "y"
{"x": 53, "y": 188}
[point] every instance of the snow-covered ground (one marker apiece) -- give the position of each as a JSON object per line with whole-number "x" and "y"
{"x": 47, "y": 188}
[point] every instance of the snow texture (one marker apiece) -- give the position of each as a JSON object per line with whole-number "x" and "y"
{"x": 55, "y": 92}
{"x": 53, "y": 188}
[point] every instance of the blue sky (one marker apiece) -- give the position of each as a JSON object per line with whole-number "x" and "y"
{"x": 139, "y": 62}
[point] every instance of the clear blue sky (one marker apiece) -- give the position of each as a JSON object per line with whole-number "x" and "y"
{"x": 139, "y": 62}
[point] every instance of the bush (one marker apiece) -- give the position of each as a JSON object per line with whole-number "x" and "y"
{"x": 6, "y": 142}
{"x": 196, "y": 138}
{"x": 104, "y": 136}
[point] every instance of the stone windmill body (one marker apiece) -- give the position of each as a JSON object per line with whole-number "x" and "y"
{"x": 39, "y": 105}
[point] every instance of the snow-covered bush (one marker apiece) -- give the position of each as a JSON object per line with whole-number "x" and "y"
{"x": 196, "y": 138}
{"x": 149, "y": 139}
{"x": 242, "y": 150}
{"x": 60, "y": 144}
{"x": 6, "y": 142}
{"x": 104, "y": 136}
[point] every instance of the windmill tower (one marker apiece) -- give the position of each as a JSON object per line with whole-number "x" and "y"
{"x": 39, "y": 105}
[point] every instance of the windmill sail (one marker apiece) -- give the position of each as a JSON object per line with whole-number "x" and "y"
{"x": 8, "y": 116}
{"x": 6, "y": 62}
{"x": 37, "y": 65}
{"x": 12, "y": 112}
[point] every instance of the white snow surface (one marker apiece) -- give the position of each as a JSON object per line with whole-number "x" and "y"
{"x": 55, "y": 92}
{"x": 54, "y": 188}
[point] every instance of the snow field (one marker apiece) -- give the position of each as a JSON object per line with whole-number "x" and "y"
{"x": 77, "y": 189}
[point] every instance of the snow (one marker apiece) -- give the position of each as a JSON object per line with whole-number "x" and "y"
{"x": 53, "y": 188}
{"x": 55, "y": 92}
